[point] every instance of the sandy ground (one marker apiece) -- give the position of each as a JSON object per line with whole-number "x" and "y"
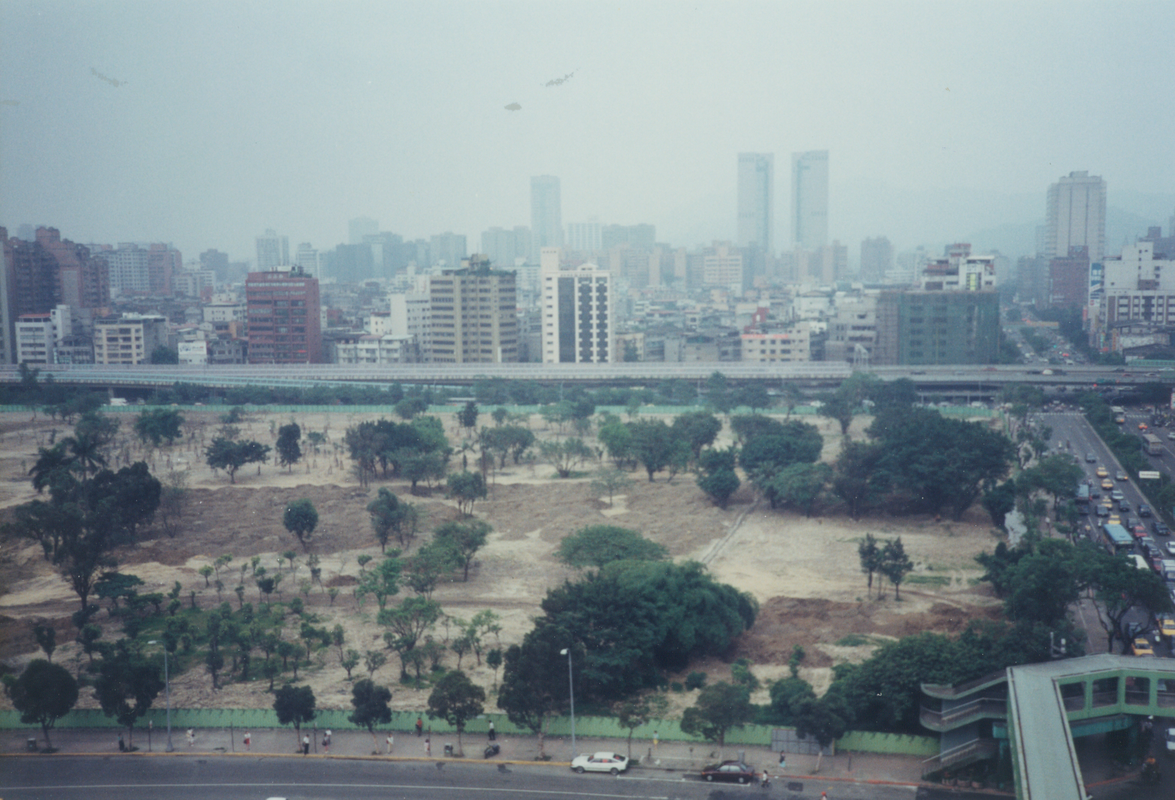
{"x": 804, "y": 572}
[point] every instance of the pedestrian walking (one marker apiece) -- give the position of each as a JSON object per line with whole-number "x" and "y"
{"x": 656, "y": 739}
{"x": 419, "y": 726}
{"x": 306, "y": 745}
{"x": 824, "y": 796}
{"x": 391, "y": 741}
{"x": 248, "y": 741}
{"x": 427, "y": 746}
{"x": 782, "y": 761}
{"x": 493, "y": 733}
{"x": 191, "y": 737}
{"x": 326, "y": 744}
{"x": 766, "y": 780}
{"x": 121, "y": 744}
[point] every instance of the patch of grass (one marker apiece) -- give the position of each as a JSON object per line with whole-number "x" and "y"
{"x": 928, "y": 580}
{"x": 860, "y": 640}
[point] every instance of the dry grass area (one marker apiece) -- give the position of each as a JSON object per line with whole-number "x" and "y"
{"x": 804, "y": 572}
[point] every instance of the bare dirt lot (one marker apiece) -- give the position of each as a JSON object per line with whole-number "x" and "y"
{"x": 804, "y": 572}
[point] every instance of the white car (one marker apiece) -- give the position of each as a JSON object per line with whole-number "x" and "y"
{"x": 600, "y": 762}
{"x": 1170, "y": 741}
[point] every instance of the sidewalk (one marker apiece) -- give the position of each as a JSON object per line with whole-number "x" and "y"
{"x": 683, "y": 757}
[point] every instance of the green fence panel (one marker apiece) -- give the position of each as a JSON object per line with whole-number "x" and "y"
{"x": 891, "y": 743}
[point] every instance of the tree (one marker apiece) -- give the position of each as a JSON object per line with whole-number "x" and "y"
{"x": 800, "y": 485}
{"x": 1000, "y": 500}
{"x": 289, "y": 451}
{"x": 597, "y": 545}
{"x": 718, "y": 394}
{"x": 652, "y": 444}
{"x": 753, "y": 396}
{"x": 127, "y": 684}
{"x": 719, "y": 708}
{"x": 157, "y": 425}
{"x": 870, "y": 555}
{"x": 162, "y": 354}
{"x": 349, "y": 661}
{"x": 838, "y": 406}
{"x": 407, "y": 623}
{"x": 173, "y": 501}
{"x": 465, "y": 539}
{"x": 698, "y": 428}
{"x": 456, "y": 699}
{"x": 825, "y": 719}
{"x": 617, "y": 440}
{"x": 564, "y": 456}
{"x": 895, "y": 564}
{"x": 467, "y": 416}
{"x": 431, "y": 561}
{"x": 43, "y": 694}
{"x": 300, "y": 519}
{"x": 46, "y": 637}
{"x": 719, "y": 485}
{"x": 534, "y": 681}
{"x": 467, "y": 487}
{"x": 609, "y": 480}
{"x": 787, "y": 694}
{"x": 638, "y": 711}
{"x": 230, "y": 455}
{"x": 390, "y": 516}
{"x": 383, "y": 581}
{"x": 371, "y": 704}
{"x": 294, "y": 706}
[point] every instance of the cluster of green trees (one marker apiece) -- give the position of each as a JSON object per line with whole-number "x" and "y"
{"x": 416, "y": 451}
{"x": 630, "y": 618}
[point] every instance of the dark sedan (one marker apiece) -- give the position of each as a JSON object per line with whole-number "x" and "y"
{"x": 730, "y": 771}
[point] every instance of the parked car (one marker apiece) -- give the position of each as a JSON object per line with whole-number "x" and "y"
{"x": 729, "y": 771}
{"x": 1144, "y": 510}
{"x": 600, "y": 762}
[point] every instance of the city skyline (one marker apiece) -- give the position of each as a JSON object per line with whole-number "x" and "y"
{"x": 180, "y": 142}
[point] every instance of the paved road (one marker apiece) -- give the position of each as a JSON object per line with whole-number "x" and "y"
{"x": 147, "y": 778}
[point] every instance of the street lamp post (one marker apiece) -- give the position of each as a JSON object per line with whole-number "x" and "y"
{"x": 571, "y": 691}
{"x": 167, "y": 694}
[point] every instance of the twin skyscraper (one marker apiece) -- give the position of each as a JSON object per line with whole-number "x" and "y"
{"x": 809, "y": 200}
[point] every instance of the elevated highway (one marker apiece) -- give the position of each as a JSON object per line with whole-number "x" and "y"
{"x": 975, "y": 380}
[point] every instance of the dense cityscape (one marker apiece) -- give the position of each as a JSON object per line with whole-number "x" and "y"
{"x": 591, "y": 293}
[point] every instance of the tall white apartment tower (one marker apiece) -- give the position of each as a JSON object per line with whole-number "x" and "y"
{"x": 306, "y": 257}
{"x": 577, "y": 313}
{"x": 1075, "y": 216}
{"x": 272, "y": 251}
{"x": 546, "y": 215}
{"x": 756, "y": 200}
{"x": 809, "y": 199}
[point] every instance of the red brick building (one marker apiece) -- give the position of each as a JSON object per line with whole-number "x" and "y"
{"x": 282, "y": 312}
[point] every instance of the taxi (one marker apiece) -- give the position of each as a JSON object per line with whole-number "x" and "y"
{"x": 1108, "y": 484}
{"x": 1167, "y": 625}
{"x": 1141, "y": 647}
{"x": 1102, "y": 472}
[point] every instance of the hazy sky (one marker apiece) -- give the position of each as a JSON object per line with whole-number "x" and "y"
{"x": 204, "y": 123}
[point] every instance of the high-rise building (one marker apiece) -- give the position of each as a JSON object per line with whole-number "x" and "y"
{"x": 809, "y": 199}
{"x": 1075, "y": 216}
{"x": 584, "y": 237}
{"x": 1069, "y": 280}
{"x": 128, "y": 339}
{"x": 756, "y": 200}
{"x": 307, "y": 258}
{"x": 134, "y": 269}
{"x": 447, "y": 248}
{"x": 640, "y": 235}
{"x": 361, "y": 227}
{"x": 578, "y": 317}
{"x": 272, "y": 251}
{"x": 723, "y": 266}
{"x": 474, "y": 314}
{"x": 876, "y": 259}
{"x": 546, "y": 215}
{"x": 283, "y": 312}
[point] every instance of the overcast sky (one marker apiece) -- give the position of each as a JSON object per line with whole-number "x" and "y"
{"x": 205, "y": 123}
